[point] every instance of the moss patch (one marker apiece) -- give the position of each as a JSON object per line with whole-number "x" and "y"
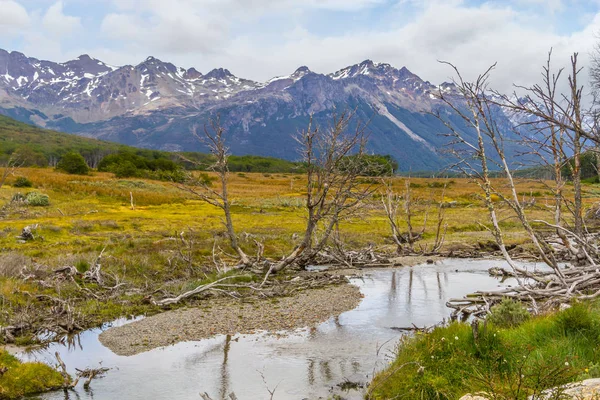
{"x": 22, "y": 379}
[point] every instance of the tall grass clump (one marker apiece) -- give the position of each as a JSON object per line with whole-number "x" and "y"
{"x": 22, "y": 182}
{"x": 37, "y": 199}
{"x": 511, "y": 358}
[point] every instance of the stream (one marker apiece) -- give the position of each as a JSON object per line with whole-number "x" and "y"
{"x": 306, "y": 364}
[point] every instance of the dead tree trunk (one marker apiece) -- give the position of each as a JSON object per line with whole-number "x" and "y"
{"x": 214, "y": 138}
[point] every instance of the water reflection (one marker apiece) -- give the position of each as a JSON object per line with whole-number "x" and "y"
{"x": 306, "y": 364}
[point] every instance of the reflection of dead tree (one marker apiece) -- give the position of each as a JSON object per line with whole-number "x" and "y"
{"x": 224, "y": 372}
{"x": 396, "y": 206}
{"x": 474, "y": 159}
{"x": 214, "y": 138}
{"x": 206, "y": 396}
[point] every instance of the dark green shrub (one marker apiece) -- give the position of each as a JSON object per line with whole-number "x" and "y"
{"x": 125, "y": 170}
{"x": 73, "y": 163}
{"x": 438, "y": 185}
{"x": 21, "y": 182}
{"x": 508, "y": 313}
{"x": 130, "y": 165}
{"x": 576, "y": 319}
{"x": 37, "y": 199}
{"x": 202, "y": 179}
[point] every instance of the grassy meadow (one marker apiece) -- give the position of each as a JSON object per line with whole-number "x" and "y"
{"x": 92, "y": 212}
{"x": 141, "y": 247}
{"x": 87, "y": 213}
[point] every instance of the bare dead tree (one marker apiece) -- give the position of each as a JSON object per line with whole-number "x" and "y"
{"x": 566, "y": 115}
{"x": 334, "y": 159}
{"x": 11, "y": 167}
{"x": 474, "y": 159}
{"x": 400, "y": 210}
{"x": 441, "y": 226}
{"x": 595, "y": 67}
{"x": 549, "y": 146}
{"x": 214, "y": 138}
{"x": 472, "y": 155}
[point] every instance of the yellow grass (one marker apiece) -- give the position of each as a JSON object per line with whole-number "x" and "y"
{"x": 89, "y": 211}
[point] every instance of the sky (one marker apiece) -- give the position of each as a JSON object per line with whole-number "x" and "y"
{"x": 260, "y": 39}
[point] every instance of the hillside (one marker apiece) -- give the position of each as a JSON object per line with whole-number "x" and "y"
{"x": 42, "y": 147}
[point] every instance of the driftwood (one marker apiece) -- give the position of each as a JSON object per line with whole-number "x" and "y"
{"x": 90, "y": 374}
{"x": 193, "y": 292}
{"x": 536, "y": 287}
{"x": 68, "y": 383}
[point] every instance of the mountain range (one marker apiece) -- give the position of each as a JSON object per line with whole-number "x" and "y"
{"x": 157, "y": 105}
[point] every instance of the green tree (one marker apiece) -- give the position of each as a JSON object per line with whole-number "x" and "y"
{"x": 73, "y": 163}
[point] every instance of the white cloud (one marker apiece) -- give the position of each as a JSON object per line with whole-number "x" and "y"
{"x": 57, "y": 23}
{"x": 13, "y": 16}
{"x": 260, "y": 39}
{"x": 347, "y": 5}
{"x": 472, "y": 38}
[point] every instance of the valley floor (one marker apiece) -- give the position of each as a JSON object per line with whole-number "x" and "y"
{"x": 166, "y": 243}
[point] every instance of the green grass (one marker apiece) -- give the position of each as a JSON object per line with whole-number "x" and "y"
{"x": 22, "y": 379}
{"x": 508, "y": 363}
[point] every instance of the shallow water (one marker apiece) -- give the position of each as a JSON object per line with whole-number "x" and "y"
{"x": 307, "y": 364}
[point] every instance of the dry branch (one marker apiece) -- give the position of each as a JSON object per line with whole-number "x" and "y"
{"x": 193, "y": 292}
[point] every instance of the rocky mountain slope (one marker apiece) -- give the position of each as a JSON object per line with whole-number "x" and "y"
{"x": 156, "y": 105}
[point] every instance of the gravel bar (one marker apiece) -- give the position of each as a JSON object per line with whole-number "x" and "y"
{"x": 229, "y": 316}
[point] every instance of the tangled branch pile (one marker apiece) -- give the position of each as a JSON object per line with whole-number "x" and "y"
{"x": 553, "y": 132}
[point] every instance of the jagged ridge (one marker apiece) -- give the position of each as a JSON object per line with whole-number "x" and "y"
{"x": 155, "y": 104}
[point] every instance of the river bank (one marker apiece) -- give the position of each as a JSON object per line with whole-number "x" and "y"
{"x": 312, "y": 362}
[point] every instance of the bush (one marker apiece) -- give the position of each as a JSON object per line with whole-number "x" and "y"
{"x": 125, "y": 170}
{"x": 73, "y": 163}
{"x": 82, "y": 266}
{"x": 22, "y": 182}
{"x": 576, "y": 319}
{"x": 438, "y": 185}
{"x": 508, "y": 314}
{"x": 37, "y": 199}
{"x": 202, "y": 179}
{"x": 515, "y": 363}
{"x": 130, "y": 165}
